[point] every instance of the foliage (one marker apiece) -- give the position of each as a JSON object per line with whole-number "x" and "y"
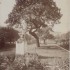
{"x": 36, "y": 13}
{"x": 45, "y": 33}
{"x": 28, "y": 37}
{"x": 34, "y": 10}
{"x": 64, "y": 39}
{"x": 8, "y": 34}
{"x": 19, "y": 63}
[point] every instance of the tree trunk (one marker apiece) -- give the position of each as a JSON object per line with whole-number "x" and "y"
{"x": 36, "y": 37}
{"x": 38, "y": 44}
{"x": 44, "y": 41}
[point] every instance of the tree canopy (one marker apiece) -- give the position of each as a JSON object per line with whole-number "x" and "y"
{"x": 8, "y": 34}
{"x": 36, "y": 13}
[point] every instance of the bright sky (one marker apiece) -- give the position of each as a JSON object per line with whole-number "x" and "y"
{"x": 6, "y": 7}
{"x": 64, "y": 26}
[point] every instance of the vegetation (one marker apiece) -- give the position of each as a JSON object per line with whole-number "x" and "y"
{"x": 36, "y": 13}
{"x": 12, "y": 62}
{"x": 7, "y": 35}
{"x": 45, "y": 33}
{"x": 65, "y": 41}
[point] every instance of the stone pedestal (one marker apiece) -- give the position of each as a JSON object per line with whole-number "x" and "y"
{"x": 20, "y": 48}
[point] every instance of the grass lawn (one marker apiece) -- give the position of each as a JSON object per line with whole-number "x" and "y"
{"x": 48, "y": 55}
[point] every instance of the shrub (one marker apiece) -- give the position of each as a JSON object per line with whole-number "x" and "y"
{"x": 18, "y": 62}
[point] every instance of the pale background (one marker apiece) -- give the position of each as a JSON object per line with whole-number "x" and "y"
{"x": 6, "y": 7}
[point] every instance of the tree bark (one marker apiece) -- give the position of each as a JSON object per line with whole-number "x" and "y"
{"x": 44, "y": 41}
{"x": 36, "y": 37}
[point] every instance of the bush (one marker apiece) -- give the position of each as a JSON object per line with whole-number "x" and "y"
{"x": 18, "y": 62}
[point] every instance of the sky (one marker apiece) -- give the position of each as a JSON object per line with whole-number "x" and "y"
{"x": 6, "y": 7}
{"x": 63, "y": 27}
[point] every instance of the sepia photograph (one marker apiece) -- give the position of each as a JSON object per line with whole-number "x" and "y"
{"x": 34, "y": 34}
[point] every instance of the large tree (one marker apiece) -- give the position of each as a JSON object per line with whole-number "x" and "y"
{"x": 36, "y": 13}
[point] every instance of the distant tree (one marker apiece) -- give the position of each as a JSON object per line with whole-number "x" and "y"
{"x": 65, "y": 41}
{"x": 2, "y": 37}
{"x": 12, "y": 35}
{"x": 28, "y": 38}
{"x": 8, "y": 35}
{"x": 35, "y": 13}
{"x": 67, "y": 36}
{"x": 45, "y": 34}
